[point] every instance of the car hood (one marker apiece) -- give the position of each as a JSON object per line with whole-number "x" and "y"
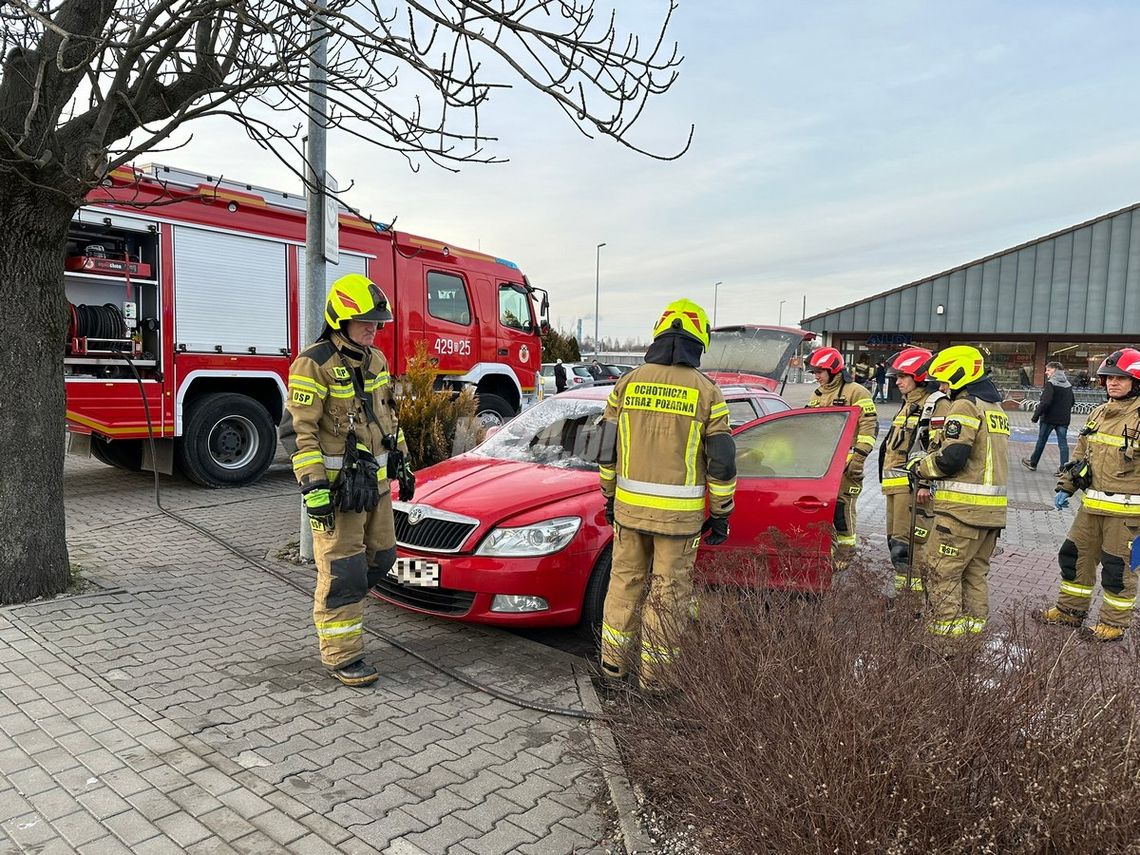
{"x": 751, "y": 354}
{"x": 493, "y": 490}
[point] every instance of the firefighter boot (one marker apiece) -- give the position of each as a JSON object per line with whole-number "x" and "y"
{"x": 1104, "y": 632}
{"x": 357, "y": 674}
{"x": 1055, "y": 616}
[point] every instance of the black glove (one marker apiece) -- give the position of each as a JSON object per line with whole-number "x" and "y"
{"x": 609, "y": 511}
{"x": 318, "y": 504}
{"x": 357, "y": 489}
{"x": 718, "y": 530}
{"x": 407, "y": 480}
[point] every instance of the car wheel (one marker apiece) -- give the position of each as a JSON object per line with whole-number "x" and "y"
{"x": 594, "y": 602}
{"x": 120, "y": 453}
{"x": 492, "y": 410}
{"x": 229, "y": 441}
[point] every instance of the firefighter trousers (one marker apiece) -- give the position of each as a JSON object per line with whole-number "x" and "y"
{"x": 844, "y": 521}
{"x": 350, "y": 559}
{"x": 1097, "y": 539}
{"x": 637, "y": 556}
{"x": 899, "y": 537}
{"x": 959, "y": 557}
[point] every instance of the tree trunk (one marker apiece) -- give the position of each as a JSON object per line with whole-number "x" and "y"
{"x": 33, "y": 325}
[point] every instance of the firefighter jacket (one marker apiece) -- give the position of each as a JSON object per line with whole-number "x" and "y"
{"x": 1110, "y": 444}
{"x": 969, "y": 464}
{"x": 900, "y": 439}
{"x": 843, "y": 393}
{"x": 324, "y": 403}
{"x": 673, "y": 449}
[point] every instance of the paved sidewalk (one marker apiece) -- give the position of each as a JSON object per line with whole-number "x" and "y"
{"x": 183, "y": 707}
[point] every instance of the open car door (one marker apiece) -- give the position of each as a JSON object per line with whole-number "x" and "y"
{"x": 788, "y": 467}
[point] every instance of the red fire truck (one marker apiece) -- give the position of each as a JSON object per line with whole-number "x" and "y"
{"x": 193, "y": 282}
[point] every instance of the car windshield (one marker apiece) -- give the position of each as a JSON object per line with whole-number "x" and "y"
{"x": 750, "y": 351}
{"x": 562, "y": 432}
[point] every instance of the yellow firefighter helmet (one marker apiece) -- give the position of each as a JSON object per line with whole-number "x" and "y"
{"x": 686, "y": 317}
{"x": 355, "y": 297}
{"x": 957, "y": 366}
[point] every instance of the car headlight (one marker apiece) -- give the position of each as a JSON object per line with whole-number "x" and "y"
{"x": 542, "y": 538}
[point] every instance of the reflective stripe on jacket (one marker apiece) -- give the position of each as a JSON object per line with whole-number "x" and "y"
{"x": 1110, "y": 442}
{"x": 976, "y": 432}
{"x": 663, "y": 468}
{"x": 900, "y": 439}
{"x": 323, "y": 405}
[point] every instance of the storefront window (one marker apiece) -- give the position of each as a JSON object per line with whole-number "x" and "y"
{"x": 1009, "y": 362}
{"x": 1081, "y": 360}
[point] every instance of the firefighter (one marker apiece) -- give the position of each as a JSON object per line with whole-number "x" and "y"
{"x": 343, "y": 411}
{"x": 835, "y": 390}
{"x": 928, "y": 438}
{"x": 1106, "y": 466}
{"x": 908, "y": 368}
{"x": 968, "y": 468}
{"x": 667, "y": 449}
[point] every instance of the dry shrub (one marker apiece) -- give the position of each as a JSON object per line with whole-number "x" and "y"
{"x": 831, "y": 725}
{"x": 437, "y": 423}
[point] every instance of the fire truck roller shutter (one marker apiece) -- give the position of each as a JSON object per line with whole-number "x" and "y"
{"x": 230, "y": 293}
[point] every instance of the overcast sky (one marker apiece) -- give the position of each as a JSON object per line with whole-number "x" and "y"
{"x": 841, "y": 149}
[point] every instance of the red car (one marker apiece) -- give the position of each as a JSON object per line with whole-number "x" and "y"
{"x": 512, "y": 533}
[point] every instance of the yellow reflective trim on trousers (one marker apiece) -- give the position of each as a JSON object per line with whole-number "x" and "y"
{"x": 895, "y": 482}
{"x": 661, "y": 503}
{"x": 606, "y": 474}
{"x": 1107, "y": 439}
{"x": 1119, "y": 602}
{"x": 340, "y": 628}
{"x": 722, "y": 489}
{"x": 691, "y": 447}
{"x": 958, "y": 626}
{"x": 969, "y": 499}
{"x": 1075, "y": 590}
{"x": 974, "y": 624}
{"x": 1111, "y": 507}
{"x": 718, "y": 410}
{"x": 615, "y": 636}
{"x": 623, "y": 435}
{"x": 845, "y": 539}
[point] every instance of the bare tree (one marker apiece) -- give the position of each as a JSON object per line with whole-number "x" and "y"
{"x": 89, "y": 85}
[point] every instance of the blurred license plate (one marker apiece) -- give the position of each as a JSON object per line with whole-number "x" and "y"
{"x": 416, "y": 572}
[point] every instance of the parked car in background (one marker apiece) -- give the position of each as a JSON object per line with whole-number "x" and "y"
{"x": 513, "y": 532}
{"x": 607, "y": 374}
{"x": 577, "y": 375}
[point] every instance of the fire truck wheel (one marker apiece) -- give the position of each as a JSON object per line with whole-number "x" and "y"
{"x": 229, "y": 441}
{"x": 492, "y": 410}
{"x": 120, "y": 453}
{"x": 594, "y": 602}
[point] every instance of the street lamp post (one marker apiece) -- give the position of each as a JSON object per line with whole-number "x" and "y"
{"x": 597, "y": 292}
{"x": 780, "y": 317}
{"x": 716, "y": 288}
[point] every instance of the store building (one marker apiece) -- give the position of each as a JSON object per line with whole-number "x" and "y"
{"x": 1071, "y": 297}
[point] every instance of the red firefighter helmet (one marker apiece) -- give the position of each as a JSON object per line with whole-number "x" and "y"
{"x": 910, "y": 360}
{"x": 1123, "y": 363}
{"x": 827, "y": 358}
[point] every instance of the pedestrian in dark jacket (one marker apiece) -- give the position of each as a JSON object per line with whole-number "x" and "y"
{"x": 880, "y": 393}
{"x": 1053, "y": 414}
{"x": 559, "y": 377}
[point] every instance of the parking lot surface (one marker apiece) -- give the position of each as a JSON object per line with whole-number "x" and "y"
{"x": 180, "y": 706}
{"x": 183, "y": 706}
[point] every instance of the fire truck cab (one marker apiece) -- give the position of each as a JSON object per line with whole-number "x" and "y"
{"x": 183, "y": 292}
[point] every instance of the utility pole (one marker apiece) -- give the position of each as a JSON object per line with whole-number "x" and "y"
{"x": 597, "y": 293}
{"x": 780, "y": 315}
{"x": 313, "y": 282}
{"x": 716, "y": 289}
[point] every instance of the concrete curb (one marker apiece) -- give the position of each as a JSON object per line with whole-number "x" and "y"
{"x": 621, "y": 793}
